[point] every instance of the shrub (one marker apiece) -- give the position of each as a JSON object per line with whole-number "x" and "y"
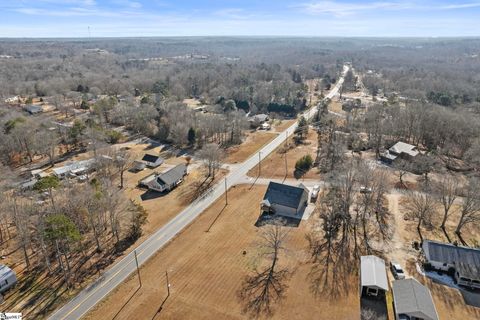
{"x": 304, "y": 163}
{"x": 113, "y": 136}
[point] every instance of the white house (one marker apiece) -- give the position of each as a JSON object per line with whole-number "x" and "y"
{"x": 8, "y": 278}
{"x": 285, "y": 200}
{"x": 168, "y": 180}
{"x": 373, "y": 276}
{"x": 462, "y": 262}
{"x": 152, "y": 161}
{"x": 75, "y": 168}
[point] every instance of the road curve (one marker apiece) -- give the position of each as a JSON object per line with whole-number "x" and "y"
{"x": 114, "y": 276}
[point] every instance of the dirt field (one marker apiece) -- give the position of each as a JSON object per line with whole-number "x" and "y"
{"x": 253, "y": 142}
{"x": 206, "y": 271}
{"x": 274, "y": 165}
{"x": 336, "y": 106}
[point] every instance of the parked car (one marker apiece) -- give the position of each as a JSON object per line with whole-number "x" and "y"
{"x": 315, "y": 191}
{"x": 364, "y": 189}
{"x": 397, "y": 270}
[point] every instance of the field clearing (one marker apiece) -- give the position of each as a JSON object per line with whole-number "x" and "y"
{"x": 206, "y": 271}
{"x": 273, "y": 166}
{"x": 336, "y": 106}
{"x": 253, "y": 142}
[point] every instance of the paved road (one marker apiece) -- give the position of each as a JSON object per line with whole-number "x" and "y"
{"x": 114, "y": 276}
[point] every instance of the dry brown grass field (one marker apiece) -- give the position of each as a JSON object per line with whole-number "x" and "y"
{"x": 206, "y": 271}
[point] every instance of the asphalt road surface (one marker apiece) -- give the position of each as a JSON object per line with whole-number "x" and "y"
{"x": 94, "y": 293}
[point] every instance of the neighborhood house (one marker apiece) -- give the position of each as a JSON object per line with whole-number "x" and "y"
{"x": 74, "y": 169}
{"x": 258, "y": 119}
{"x": 412, "y": 301}
{"x": 462, "y": 262}
{"x": 285, "y": 200}
{"x": 152, "y": 161}
{"x": 400, "y": 150}
{"x": 168, "y": 180}
{"x": 373, "y": 276}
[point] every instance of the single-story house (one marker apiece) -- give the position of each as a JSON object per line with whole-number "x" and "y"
{"x": 33, "y": 109}
{"x": 373, "y": 276}
{"x": 168, "y": 180}
{"x": 400, "y": 150}
{"x": 462, "y": 262}
{"x": 76, "y": 168}
{"x": 8, "y": 278}
{"x": 152, "y": 161}
{"x": 258, "y": 119}
{"x": 412, "y": 301}
{"x": 285, "y": 200}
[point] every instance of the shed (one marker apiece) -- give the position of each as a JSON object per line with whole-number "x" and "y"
{"x": 285, "y": 200}
{"x": 152, "y": 161}
{"x": 373, "y": 275}
{"x": 8, "y": 278}
{"x": 412, "y": 300}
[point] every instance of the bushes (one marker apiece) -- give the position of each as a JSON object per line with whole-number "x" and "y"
{"x": 113, "y": 136}
{"x": 304, "y": 163}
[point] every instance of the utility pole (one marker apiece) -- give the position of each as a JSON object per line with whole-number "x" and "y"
{"x": 226, "y": 192}
{"x": 138, "y": 270}
{"x": 168, "y": 284}
{"x": 286, "y": 170}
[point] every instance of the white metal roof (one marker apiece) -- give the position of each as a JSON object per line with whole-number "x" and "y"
{"x": 373, "y": 272}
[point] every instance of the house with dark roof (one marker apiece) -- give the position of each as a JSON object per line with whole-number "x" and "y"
{"x": 152, "y": 161}
{"x": 462, "y": 262}
{"x": 168, "y": 180}
{"x": 373, "y": 276}
{"x": 285, "y": 200}
{"x": 413, "y": 301}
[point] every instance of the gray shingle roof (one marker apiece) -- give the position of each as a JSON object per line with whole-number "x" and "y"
{"x": 411, "y": 297}
{"x": 466, "y": 260}
{"x": 172, "y": 175}
{"x": 283, "y": 194}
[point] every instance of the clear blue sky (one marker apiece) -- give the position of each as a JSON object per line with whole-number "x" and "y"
{"x": 107, "y": 18}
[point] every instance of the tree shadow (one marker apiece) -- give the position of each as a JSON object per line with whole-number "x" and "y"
{"x": 262, "y": 290}
{"x": 126, "y": 302}
{"x": 196, "y": 190}
{"x": 216, "y": 218}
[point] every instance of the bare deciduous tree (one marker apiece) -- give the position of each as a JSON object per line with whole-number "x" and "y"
{"x": 420, "y": 207}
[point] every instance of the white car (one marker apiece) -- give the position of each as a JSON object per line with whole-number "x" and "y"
{"x": 315, "y": 191}
{"x": 397, "y": 270}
